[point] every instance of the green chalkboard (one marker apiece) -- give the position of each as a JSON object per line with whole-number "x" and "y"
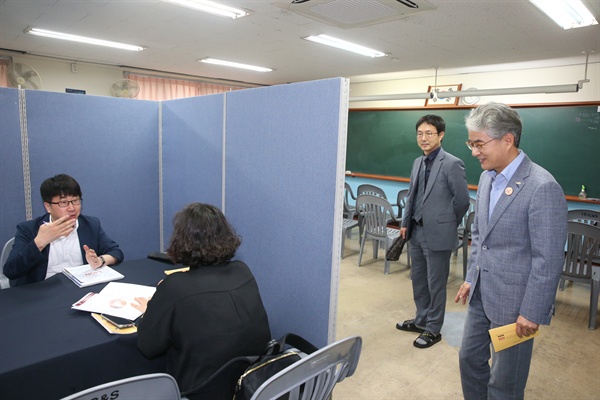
{"x": 564, "y": 140}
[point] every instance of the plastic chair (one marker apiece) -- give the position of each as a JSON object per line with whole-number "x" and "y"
{"x": 376, "y": 212}
{"x": 315, "y": 376}
{"x": 401, "y": 202}
{"x": 349, "y": 208}
{"x": 582, "y": 247}
{"x": 372, "y": 190}
{"x": 464, "y": 235}
{"x": 148, "y": 387}
{"x": 461, "y": 227}
{"x": 4, "y": 282}
{"x": 347, "y": 226}
{"x": 590, "y": 217}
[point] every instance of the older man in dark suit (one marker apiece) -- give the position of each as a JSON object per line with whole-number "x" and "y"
{"x": 437, "y": 200}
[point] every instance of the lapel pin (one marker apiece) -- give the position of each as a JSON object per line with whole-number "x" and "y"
{"x": 508, "y": 191}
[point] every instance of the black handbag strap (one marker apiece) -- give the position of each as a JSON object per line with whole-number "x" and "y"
{"x": 224, "y": 377}
{"x": 293, "y": 340}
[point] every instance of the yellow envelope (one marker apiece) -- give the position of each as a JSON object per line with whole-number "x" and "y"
{"x": 110, "y": 328}
{"x": 505, "y": 336}
{"x": 171, "y": 271}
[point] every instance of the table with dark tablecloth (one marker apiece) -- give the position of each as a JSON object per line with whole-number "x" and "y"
{"x": 48, "y": 350}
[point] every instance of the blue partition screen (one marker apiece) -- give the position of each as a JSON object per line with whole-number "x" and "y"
{"x": 192, "y": 154}
{"x": 280, "y": 184}
{"x": 110, "y": 146}
{"x": 269, "y": 157}
{"x": 12, "y": 197}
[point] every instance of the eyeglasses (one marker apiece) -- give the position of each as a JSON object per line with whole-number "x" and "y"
{"x": 427, "y": 134}
{"x": 65, "y": 203}
{"x": 477, "y": 145}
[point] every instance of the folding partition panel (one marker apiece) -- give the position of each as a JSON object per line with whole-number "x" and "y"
{"x": 192, "y": 154}
{"x": 110, "y": 146}
{"x": 12, "y": 197}
{"x": 285, "y": 157}
{"x": 280, "y": 182}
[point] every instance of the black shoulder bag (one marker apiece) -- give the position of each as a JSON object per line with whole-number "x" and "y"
{"x": 240, "y": 377}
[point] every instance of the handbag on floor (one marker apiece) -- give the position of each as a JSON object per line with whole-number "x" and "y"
{"x": 275, "y": 358}
{"x": 393, "y": 253}
{"x": 240, "y": 377}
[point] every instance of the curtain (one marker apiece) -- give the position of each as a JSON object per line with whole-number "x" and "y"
{"x": 3, "y": 69}
{"x": 154, "y": 88}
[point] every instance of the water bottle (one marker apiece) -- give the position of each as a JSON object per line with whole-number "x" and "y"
{"x": 582, "y": 194}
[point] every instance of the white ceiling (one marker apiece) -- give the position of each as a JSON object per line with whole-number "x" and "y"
{"x": 456, "y": 34}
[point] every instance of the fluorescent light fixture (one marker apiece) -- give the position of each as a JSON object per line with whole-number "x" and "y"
{"x": 234, "y": 64}
{"x": 344, "y": 45}
{"x": 475, "y": 92}
{"x": 82, "y": 39}
{"x": 212, "y": 7}
{"x": 574, "y": 88}
{"x": 567, "y": 14}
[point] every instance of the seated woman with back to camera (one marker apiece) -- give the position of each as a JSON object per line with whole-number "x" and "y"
{"x": 202, "y": 318}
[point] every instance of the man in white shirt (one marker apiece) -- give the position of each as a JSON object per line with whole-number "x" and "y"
{"x": 61, "y": 238}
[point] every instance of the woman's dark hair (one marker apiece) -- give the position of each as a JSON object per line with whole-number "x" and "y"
{"x": 202, "y": 236}
{"x": 60, "y": 185}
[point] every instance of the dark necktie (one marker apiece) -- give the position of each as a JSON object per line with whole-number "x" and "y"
{"x": 418, "y": 204}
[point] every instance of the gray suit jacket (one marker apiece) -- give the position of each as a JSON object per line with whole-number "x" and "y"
{"x": 445, "y": 203}
{"x": 518, "y": 254}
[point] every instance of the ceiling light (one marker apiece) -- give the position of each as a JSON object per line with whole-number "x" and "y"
{"x": 236, "y": 65}
{"x": 472, "y": 92}
{"x": 344, "y": 45}
{"x": 212, "y": 7}
{"x": 82, "y": 39}
{"x": 566, "y": 13}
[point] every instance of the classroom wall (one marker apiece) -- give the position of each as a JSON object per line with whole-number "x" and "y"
{"x": 541, "y": 73}
{"x": 96, "y": 79}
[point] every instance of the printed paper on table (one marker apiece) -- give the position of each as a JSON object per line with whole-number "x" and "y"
{"x": 115, "y": 299}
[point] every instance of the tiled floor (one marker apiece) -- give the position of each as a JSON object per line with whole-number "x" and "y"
{"x": 566, "y": 360}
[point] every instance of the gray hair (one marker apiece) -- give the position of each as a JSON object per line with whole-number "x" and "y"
{"x": 496, "y": 120}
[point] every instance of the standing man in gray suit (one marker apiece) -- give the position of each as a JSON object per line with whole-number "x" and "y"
{"x": 437, "y": 200}
{"x": 517, "y": 254}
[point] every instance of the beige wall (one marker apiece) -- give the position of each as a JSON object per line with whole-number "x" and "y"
{"x": 542, "y": 73}
{"x": 56, "y": 76}
{"x": 95, "y": 79}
